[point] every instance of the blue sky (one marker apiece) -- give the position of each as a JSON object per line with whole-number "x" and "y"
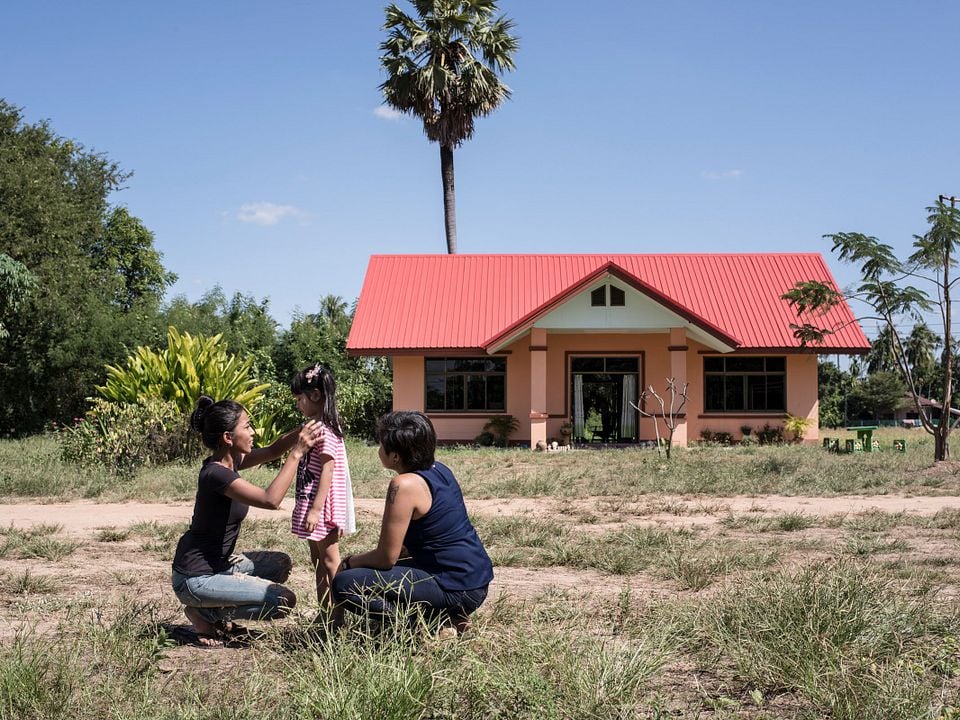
{"x": 261, "y": 162}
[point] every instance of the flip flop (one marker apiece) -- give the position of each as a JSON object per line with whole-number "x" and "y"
{"x": 237, "y": 631}
{"x": 183, "y": 635}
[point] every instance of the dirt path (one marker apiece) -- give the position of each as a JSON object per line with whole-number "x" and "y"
{"x": 81, "y": 516}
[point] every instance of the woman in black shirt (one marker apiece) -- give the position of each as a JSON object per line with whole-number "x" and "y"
{"x": 214, "y": 584}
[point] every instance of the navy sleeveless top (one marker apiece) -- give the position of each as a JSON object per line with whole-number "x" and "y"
{"x": 444, "y": 542}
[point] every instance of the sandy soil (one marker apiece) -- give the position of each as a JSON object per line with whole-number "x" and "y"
{"x": 98, "y": 570}
{"x": 79, "y": 518}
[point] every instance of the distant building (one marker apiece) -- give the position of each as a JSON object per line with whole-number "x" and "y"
{"x": 906, "y": 414}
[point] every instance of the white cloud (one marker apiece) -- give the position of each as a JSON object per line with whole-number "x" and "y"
{"x": 265, "y": 213}
{"x": 386, "y": 112}
{"x": 721, "y": 174}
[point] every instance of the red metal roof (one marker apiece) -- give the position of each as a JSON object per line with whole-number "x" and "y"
{"x": 469, "y": 302}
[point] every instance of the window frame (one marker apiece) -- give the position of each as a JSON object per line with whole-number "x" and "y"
{"x": 745, "y": 375}
{"x": 602, "y": 296}
{"x": 466, "y": 375}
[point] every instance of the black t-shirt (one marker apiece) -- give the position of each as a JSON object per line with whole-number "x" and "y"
{"x": 206, "y": 547}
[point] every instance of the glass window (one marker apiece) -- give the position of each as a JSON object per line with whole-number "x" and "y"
{"x": 587, "y": 365}
{"x": 618, "y": 298}
{"x": 738, "y": 384}
{"x": 598, "y": 298}
{"x": 605, "y": 365}
{"x": 465, "y": 384}
{"x": 622, "y": 364}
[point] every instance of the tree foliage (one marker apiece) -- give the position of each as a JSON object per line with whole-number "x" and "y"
{"x": 444, "y": 67}
{"x": 834, "y": 386}
{"x": 95, "y": 278}
{"x": 363, "y": 383}
{"x": 877, "y": 395}
{"x": 82, "y": 286}
{"x": 16, "y": 283}
{"x": 885, "y": 286}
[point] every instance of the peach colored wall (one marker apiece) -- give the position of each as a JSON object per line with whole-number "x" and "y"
{"x": 408, "y": 382}
{"x": 801, "y": 399}
{"x": 408, "y": 386}
{"x": 652, "y": 346}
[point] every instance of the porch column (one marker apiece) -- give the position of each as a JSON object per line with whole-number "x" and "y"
{"x": 538, "y": 387}
{"x": 678, "y": 371}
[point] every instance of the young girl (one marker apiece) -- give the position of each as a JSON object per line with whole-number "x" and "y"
{"x": 324, "y": 502}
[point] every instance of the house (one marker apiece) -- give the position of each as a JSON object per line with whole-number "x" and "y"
{"x": 906, "y": 414}
{"x": 552, "y": 339}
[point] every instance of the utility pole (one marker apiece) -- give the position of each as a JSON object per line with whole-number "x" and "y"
{"x": 942, "y": 450}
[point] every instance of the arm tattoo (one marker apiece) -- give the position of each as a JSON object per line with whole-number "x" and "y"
{"x": 392, "y": 494}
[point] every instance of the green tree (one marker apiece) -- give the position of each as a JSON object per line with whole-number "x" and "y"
{"x": 244, "y": 322}
{"x": 444, "y": 67}
{"x": 16, "y": 283}
{"x": 883, "y": 288}
{"x": 54, "y": 221}
{"x": 316, "y": 337}
{"x": 882, "y": 356}
{"x": 834, "y": 386}
{"x": 125, "y": 254}
{"x": 877, "y": 395}
{"x": 920, "y": 350}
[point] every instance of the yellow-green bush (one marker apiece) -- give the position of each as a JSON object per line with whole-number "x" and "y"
{"x": 188, "y": 368}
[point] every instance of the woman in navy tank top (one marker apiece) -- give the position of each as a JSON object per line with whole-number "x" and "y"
{"x": 429, "y": 554}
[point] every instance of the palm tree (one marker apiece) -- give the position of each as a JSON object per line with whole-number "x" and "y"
{"x": 920, "y": 349}
{"x": 334, "y": 313}
{"x": 443, "y": 67}
{"x": 881, "y": 357}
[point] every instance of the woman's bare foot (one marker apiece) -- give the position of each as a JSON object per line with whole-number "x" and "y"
{"x": 208, "y": 634}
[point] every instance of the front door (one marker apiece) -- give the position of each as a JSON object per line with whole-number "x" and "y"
{"x": 601, "y": 390}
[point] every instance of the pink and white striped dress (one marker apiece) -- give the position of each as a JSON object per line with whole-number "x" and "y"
{"x": 338, "y": 511}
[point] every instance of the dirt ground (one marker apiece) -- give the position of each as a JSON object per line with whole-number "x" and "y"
{"x": 123, "y": 568}
{"x": 100, "y": 571}
{"x": 81, "y": 517}
{"x": 105, "y": 573}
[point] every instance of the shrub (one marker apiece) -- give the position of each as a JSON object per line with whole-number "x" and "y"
{"x": 360, "y": 403}
{"x": 123, "y": 437}
{"x": 501, "y": 427}
{"x": 770, "y": 435}
{"x": 796, "y": 426}
{"x": 718, "y": 437}
{"x": 485, "y": 439}
{"x": 188, "y": 368}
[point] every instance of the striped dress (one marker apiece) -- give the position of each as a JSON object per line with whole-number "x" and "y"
{"x": 338, "y": 511}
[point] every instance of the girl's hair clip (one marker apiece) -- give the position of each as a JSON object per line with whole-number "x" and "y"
{"x": 312, "y": 373}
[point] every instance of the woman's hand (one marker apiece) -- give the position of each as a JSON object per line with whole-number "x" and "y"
{"x": 309, "y": 434}
{"x": 312, "y": 520}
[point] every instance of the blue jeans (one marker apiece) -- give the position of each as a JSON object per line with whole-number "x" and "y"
{"x": 382, "y": 592}
{"x": 249, "y": 589}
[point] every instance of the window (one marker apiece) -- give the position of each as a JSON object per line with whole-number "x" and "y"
{"x": 466, "y": 384}
{"x": 744, "y": 384}
{"x": 598, "y": 297}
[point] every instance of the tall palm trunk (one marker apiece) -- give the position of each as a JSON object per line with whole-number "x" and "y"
{"x": 449, "y": 197}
